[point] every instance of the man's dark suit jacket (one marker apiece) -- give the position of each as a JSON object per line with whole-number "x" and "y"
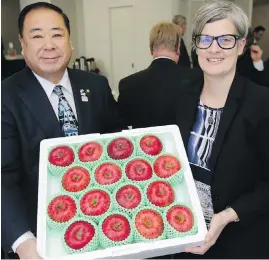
{"x": 184, "y": 59}
{"x": 146, "y": 97}
{"x": 240, "y": 165}
{"x": 27, "y": 119}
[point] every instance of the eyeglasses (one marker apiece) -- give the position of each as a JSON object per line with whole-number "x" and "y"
{"x": 225, "y": 42}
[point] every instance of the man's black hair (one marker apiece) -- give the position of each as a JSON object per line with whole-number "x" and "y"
{"x": 259, "y": 28}
{"x": 40, "y": 5}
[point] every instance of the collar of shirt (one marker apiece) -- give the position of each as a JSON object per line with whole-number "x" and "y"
{"x": 162, "y": 57}
{"x": 48, "y": 86}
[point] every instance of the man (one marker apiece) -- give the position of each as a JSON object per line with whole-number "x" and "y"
{"x": 258, "y": 33}
{"x": 184, "y": 59}
{"x": 45, "y": 100}
{"x": 146, "y": 97}
{"x": 250, "y": 63}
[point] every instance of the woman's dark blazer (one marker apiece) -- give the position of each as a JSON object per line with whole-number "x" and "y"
{"x": 239, "y": 163}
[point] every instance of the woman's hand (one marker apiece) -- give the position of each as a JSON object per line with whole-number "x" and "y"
{"x": 218, "y": 223}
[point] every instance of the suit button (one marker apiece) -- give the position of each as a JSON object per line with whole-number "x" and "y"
{"x": 216, "y": 197}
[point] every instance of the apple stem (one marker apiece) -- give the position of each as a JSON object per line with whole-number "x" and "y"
{"x": 149, "y": 143}
{"x": 139, "y": 169}
{"x": 116, "y": 226}
{"x": 180, "y": 218}
{"x": 79, "y": 235}
{"x": 161, "y": 192}
{"x": 108, "y": 174}
{"x": 60, "y": 154}
{"x": 60, "y": 206}
{"x": 121, "y": 146}
{"x": 147, "y": 223}
{"x": 75, "y": 177}
{"x": 93, "y": 202}
{"x": 89, "y": 151}
{"x": 168, "y": 166}
{"x": 130, "y": 196}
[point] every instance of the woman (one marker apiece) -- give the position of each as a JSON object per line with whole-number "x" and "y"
{"x": 224, "y": 122}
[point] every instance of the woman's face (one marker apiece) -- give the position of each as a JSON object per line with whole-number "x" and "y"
{"x": 216, "y": 61}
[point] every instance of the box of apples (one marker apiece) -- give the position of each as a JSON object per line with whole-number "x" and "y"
{"x": 123, "y": 195}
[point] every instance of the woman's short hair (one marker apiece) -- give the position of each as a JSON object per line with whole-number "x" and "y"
{"x": 219, "y": 10}
{"x": 165, "y": 35}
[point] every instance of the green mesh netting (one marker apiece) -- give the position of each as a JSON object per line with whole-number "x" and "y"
{"x": 91, "y": 246}
{"x": 137, "y": 236}
{"x": 60, "y": 225}
{"x": 105, "y": 242}
{"x": 92, "y": 217}
{"x": 172, "y": 232}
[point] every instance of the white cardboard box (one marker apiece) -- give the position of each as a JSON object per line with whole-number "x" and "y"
{"x": 50, "y": 246}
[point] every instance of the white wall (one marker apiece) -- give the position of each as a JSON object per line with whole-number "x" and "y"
{"x": 247, "y": 6}
{"x": 23, "y": 3}
{"x": 96, "y": 21}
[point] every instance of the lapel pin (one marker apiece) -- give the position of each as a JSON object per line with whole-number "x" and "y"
{"x": 84, "y": 99}
{"x": 88, "y": 91}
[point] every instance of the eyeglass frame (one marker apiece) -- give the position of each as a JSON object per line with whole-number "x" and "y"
{"x": 236, "y": 37}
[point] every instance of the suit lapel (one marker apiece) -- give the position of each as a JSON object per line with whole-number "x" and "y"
{"x": 84, "y": 108}
{"x": 231, "y": 106}
{"x": 186, "y": 107}
{"x": 35, "y": 98}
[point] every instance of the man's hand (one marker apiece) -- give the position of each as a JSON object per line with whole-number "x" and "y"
{"x": 27, "y": 250}
{"x": 256, "y": 53}
{"x": 218, "y": 223}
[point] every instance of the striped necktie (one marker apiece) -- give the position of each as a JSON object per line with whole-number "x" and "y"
{"x": 67, "y": 119}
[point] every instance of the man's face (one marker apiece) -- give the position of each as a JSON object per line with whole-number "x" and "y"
{"x": 258, "y": 35}
{"x": 183, "y": 28}
{"x": 46, "y": 42}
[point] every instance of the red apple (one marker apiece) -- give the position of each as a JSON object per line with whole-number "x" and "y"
{"x": 149, "y": 223}
{"x": 160, "y": 193}
{"x": 76, "y": 179}
{"x": 166, "y": 165}
{"x": 120, "y": 148}
{"x": 108, "y": 173}
{"x": 116, "y": 227}
{"x": 151, "y": 145}
{"x": 62, "y": 209}
{"x": 128, "y": 197}
{"x": 138, "y": 170}
{"x": 90, "y": 152}
{"x": 61, "y": 156}
{"x": 79, "y": 234}
{"x": 180, "y": 218}
{"x": 95, "y": 203}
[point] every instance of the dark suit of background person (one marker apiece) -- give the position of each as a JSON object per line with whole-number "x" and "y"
{"x": 240, "y": 168}
{"x": 146, "y": 97}
{"x": 27, "y": 119}
{"x": 184, "y": 59}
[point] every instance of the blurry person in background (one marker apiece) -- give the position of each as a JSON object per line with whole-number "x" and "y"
{"x": 146, "y": 97}
{"x": 258, "y": 33}
{"x": 184, "y": 59}
{"x": 224, "y": 123}
{"x": 250, "y": 63}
